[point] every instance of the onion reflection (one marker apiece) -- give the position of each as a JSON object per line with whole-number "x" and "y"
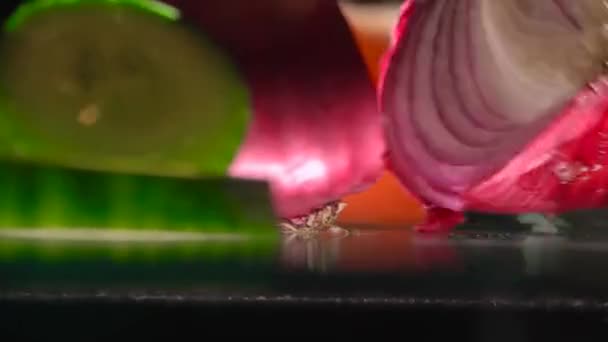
{"x": 369, "y": 251}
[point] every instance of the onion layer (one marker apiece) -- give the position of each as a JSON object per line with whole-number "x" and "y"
{"x": 478, "y": 93}
{"x": 317, "y": 134}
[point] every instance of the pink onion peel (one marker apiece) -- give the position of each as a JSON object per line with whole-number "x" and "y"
{"x": 316, "y": 135}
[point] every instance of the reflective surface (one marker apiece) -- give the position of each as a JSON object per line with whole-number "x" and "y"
{"x": 492, "y": 280}
{"x": 479, "y": 265}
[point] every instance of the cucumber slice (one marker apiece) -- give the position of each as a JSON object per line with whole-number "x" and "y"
{"x": 44, "y": 202}
{"x": 117, "y": 85}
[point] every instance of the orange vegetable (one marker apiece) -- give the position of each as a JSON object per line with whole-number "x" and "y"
{"x": 386, "y": 203}
{"x": 371, "y": 25}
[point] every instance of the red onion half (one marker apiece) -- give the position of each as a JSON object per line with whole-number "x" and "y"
{"x": 498, "y": 106}
{"x": 317, "y": 134}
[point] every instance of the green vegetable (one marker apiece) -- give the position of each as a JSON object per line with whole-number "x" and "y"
{"x": 117, "y": 85}
{"x": 118, "y": 122}
{"x": 38, "y": 201}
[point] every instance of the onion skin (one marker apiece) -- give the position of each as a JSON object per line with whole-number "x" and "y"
{"x": 563, "y": 168}
{"x": 317, "y": 134}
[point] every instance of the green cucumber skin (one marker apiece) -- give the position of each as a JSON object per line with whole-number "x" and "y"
{"x": 220, "y": 138}
{"x": 47, "y": 197}
{"x": 31, "y": 7}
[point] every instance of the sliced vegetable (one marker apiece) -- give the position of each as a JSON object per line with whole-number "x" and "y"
{"x": 119, "y": 86}
{"x": 63, "y": 203}
{"x": 479, "y": 93}
{"x": 317, "y": 134}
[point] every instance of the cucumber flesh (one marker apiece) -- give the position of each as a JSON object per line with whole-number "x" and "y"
{"x": 118, "y": 86}
{"x": 46, "y": 202}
